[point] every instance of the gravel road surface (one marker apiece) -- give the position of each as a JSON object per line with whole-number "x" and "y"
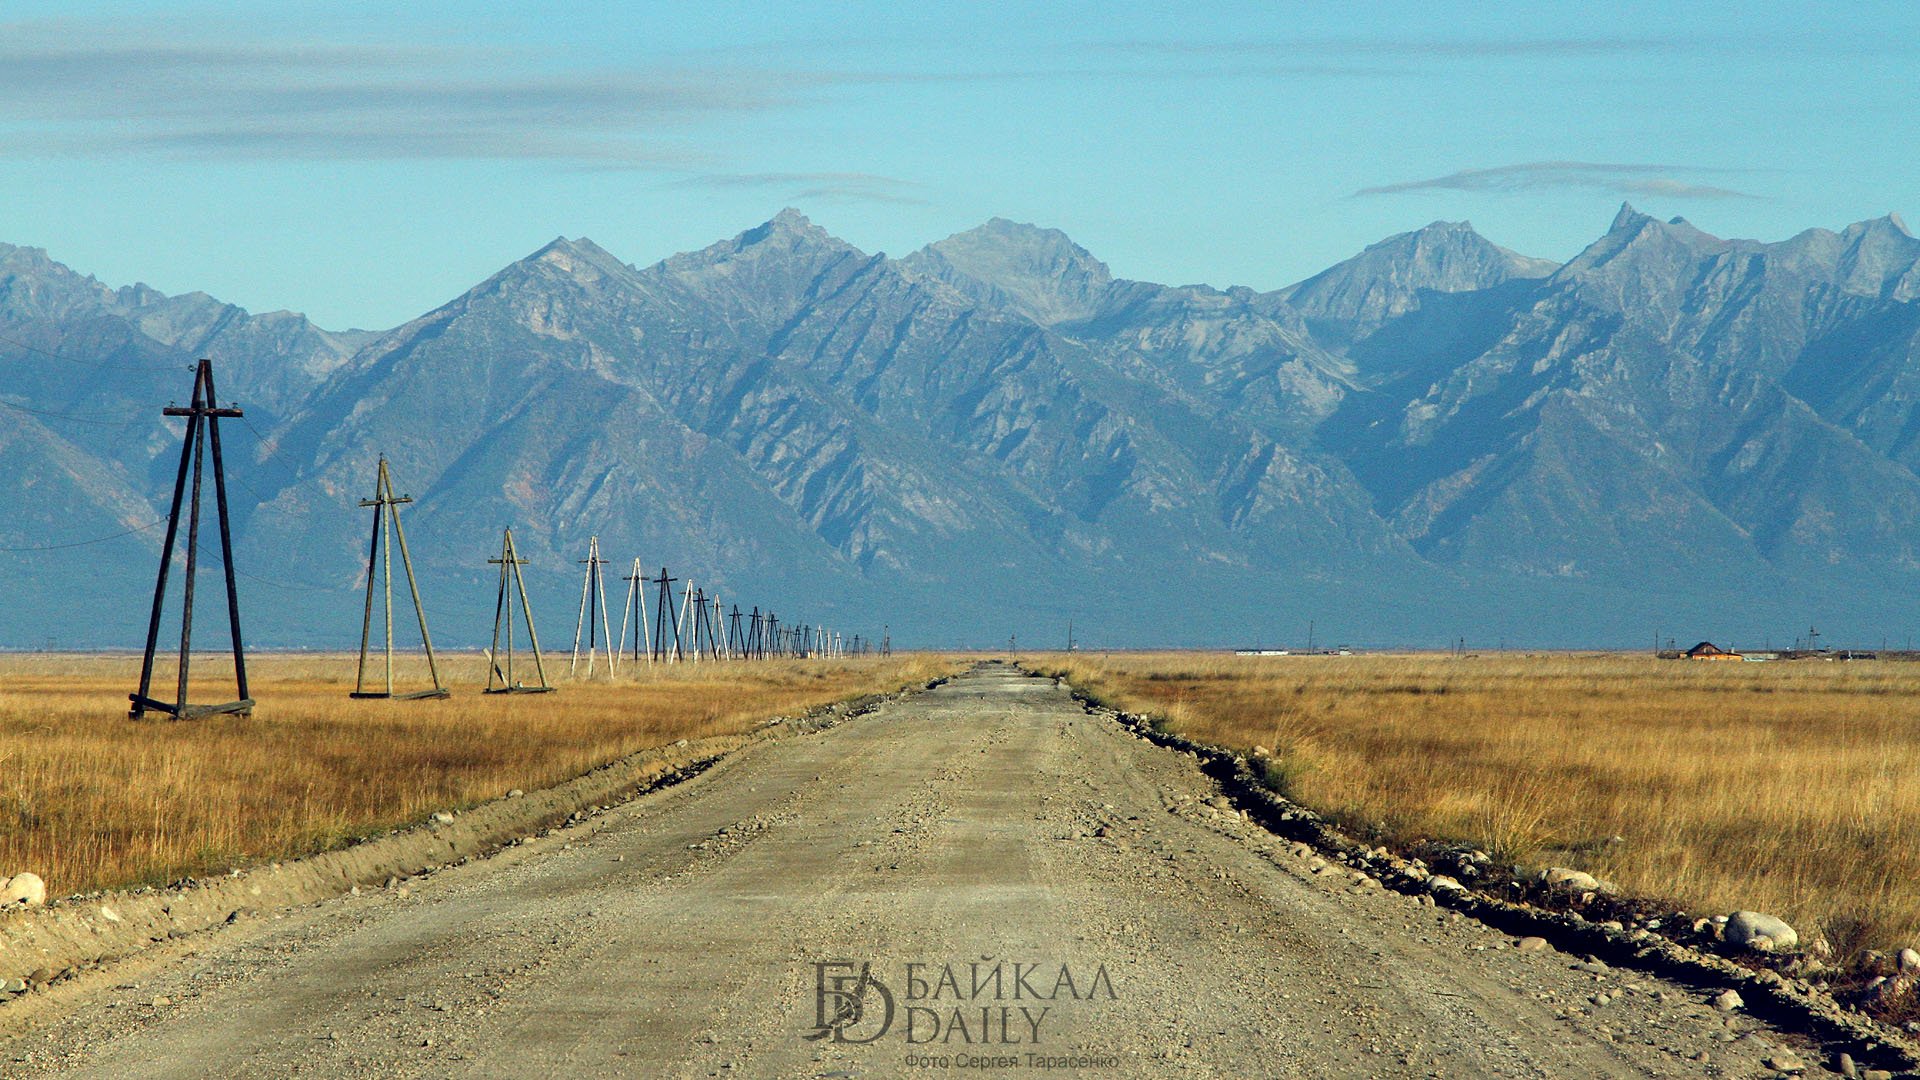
{"x": 1027, "y": 889}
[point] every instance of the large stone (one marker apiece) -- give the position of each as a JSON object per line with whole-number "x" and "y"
{"x": 23, "y": 890}
{"x": 1745, "y": 928}
{"x": 1560, "y": 877}
{"x": 1728, "y": 1001}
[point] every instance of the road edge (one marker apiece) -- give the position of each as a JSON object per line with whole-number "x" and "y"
{"x": 1766, "y": 993}
{"x": 43, "y": 946}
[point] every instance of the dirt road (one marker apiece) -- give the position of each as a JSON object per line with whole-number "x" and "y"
{"x": 1031, "y": 890}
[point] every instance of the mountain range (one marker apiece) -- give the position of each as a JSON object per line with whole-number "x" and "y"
{"x": 1669, "y": 434}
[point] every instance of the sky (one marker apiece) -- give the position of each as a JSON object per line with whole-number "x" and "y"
{"x": 365, "y": 165}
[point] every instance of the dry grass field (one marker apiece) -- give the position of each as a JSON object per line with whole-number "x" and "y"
{"x": 91, "y": 799}
{"x": 1792, "y": 788}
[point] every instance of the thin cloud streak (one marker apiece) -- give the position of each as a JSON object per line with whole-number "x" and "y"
{"x": 1404, "y": 47}
{"x": 85, "y": 88}
{"x": 838, "y": 187}
{"x": 117, "y": 94}
{"x": 1619, "y": 179}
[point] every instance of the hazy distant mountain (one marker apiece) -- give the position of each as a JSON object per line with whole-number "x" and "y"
{"x": 994, "y": 435}
{"x": 1387, "y": 280}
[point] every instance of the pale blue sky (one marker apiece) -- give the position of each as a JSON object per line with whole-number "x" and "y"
{"x": 366, "y": 166}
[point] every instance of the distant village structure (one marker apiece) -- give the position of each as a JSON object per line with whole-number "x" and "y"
{"x": 1707, "y": 650}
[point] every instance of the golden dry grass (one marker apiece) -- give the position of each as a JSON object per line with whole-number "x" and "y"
{"x": 91, "y": 799}
{"x": 1792, "y": 788}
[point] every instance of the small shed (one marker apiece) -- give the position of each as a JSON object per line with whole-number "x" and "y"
{"x": 1707, "y": 650}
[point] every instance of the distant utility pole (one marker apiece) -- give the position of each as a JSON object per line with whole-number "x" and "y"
{"x": 886, "y": 640}
{"x": 510, "y": 563}
{"x": 636, "y": 609}
{"x": 683, "y": 628}
{"x": 703, "y": 647}
{"x": 203, "y": 432}
{"x": 593, "y": 613}
{"x": 663, "y": 620}
{"x": 386, "y": 526}
{"x": 1309, "y": 637}
{"x": 1069, "y": 635}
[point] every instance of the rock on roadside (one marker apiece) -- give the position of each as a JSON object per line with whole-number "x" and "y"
{"x": 1747, "y": 927}
{"x": 1560, "y": 877}
{"x": 23, "y": 890}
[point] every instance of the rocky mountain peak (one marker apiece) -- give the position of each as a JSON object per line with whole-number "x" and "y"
{"x": 1880, "y": 258}
{"x": 576, "y": 257}
{"x": 1627, "y": 219}
{"x": 1638, "y": 250}
{"x": 789, "y": 230}
{"x": 1386, "y": 279}
{"x": 1038, "y": 270}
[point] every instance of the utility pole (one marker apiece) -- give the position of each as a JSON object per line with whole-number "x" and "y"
{"x": 886, "y": 640}
{"x": 593, "y": 613}
{"x": 636, "y": 609}
{"x": 386, "y": 525}
{"x": 702, "y": 629}
{"x": 684, "y": 627}
{"x": 663, "y": 620}
{"x": 1069, "y": 635}
{"x": 510, "y": 563}
{"x": 203, "y": 432}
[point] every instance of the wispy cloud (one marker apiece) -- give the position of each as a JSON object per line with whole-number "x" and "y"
{"x": 1653, "y": 181}
{"x": 1304, "y": 49}
{"x": 816, "y": 187}
{"x": 82, "y": 90}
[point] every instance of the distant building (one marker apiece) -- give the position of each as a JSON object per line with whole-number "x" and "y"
{"x": 1263, "y": 652}
{"x": 1707, "y": 650}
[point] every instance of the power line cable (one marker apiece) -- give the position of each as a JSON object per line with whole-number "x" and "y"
{"x": 72, "y": 417}
{"x": 155, "y": 368}
{"x": 95, "y": 540}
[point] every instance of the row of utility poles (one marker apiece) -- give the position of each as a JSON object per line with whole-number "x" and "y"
{"x": 691, "y": 626}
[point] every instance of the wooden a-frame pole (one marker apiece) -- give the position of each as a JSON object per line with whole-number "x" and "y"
{"x": 386, "y": 530}
{"x": 593, "y": 615}
{"x": 203, "y": 417}
{"x": 636, "y": 608}
{"x": 510, "y": 563}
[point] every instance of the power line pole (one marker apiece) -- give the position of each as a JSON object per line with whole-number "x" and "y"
{"x": 663, "y": 619}
{"x": 203, "y": 431}
{"x": 510, "y": 563}
{"x": 636, "y": 607}
{"x": 386, "y": 526}
{"x": 686, "y": 612}
{"x": 593, "y": 613}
